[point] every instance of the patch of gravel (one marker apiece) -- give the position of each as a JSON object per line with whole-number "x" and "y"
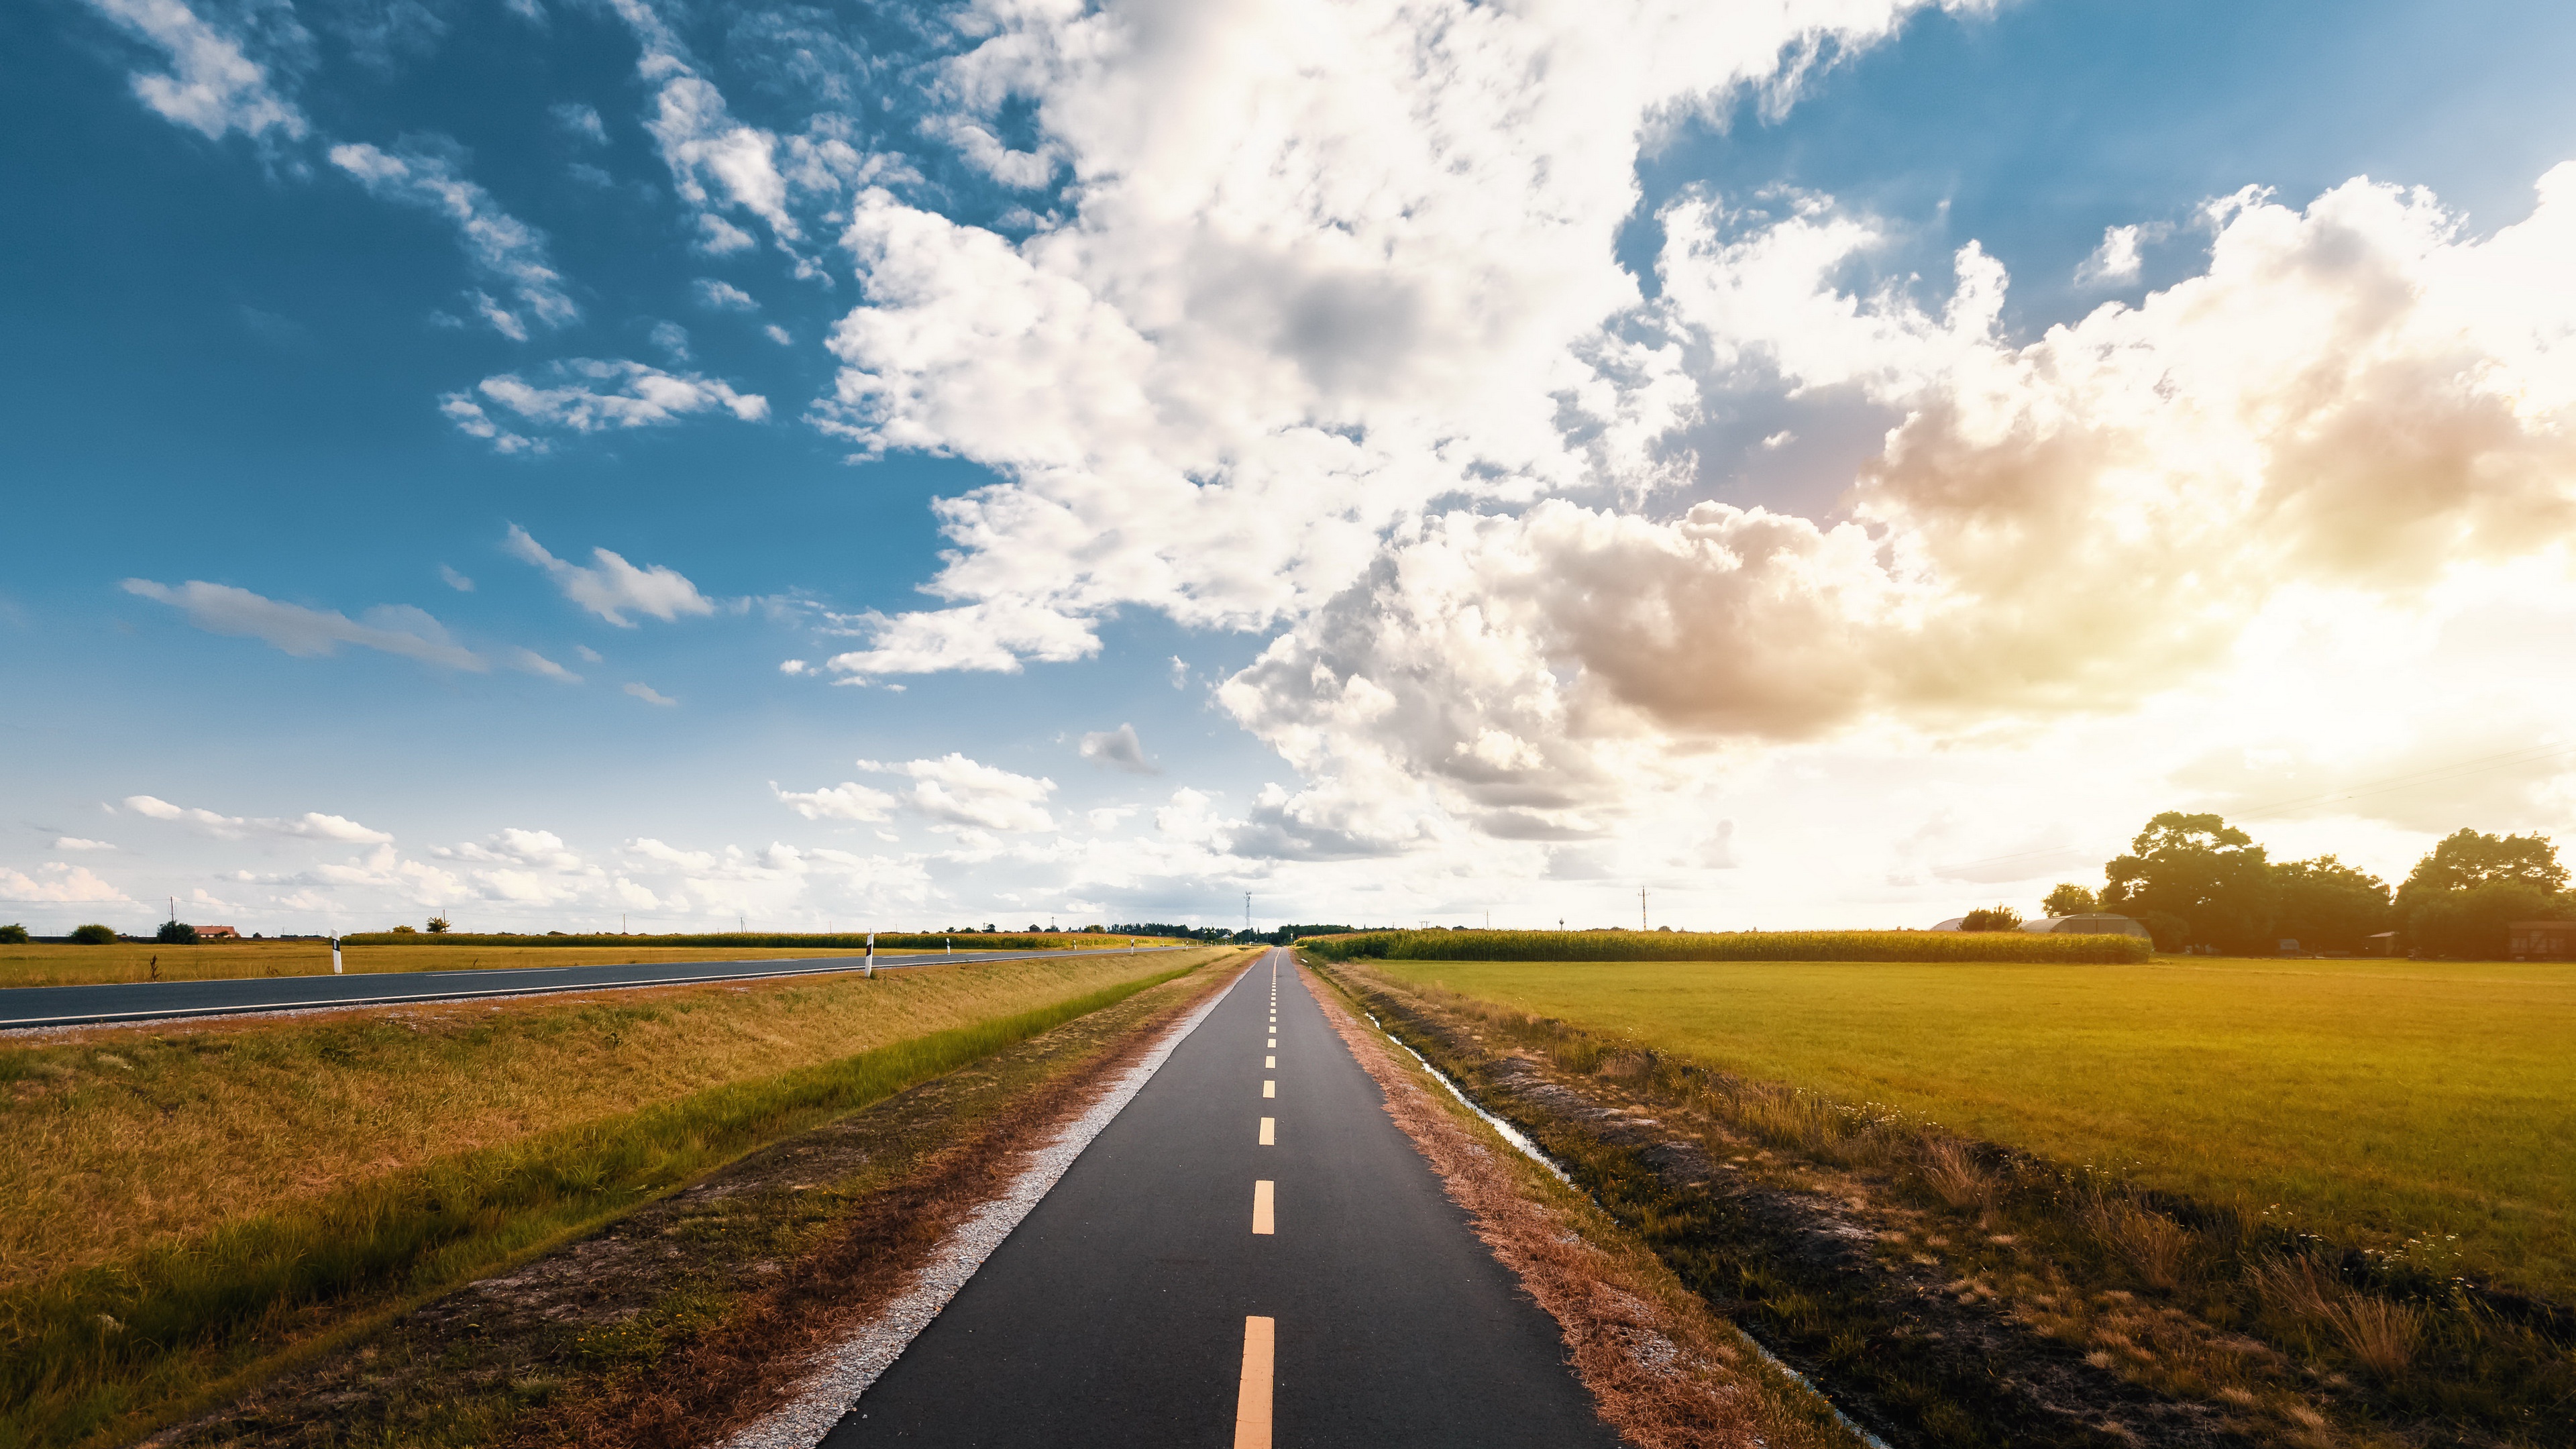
{"x": 843, "y": 1373}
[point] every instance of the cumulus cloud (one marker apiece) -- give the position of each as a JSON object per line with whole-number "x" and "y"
{"x": 531, "y": 662}
{"x": 579, "y": 121}
{"x": 718, "y": 296}
{"x": 1119, "y": 749}
{"x": 954, "y": 790}
{"x": 650, "y": 695}
{"x": 590, "y": 395}
{"x": 499, "y": 246}
{"x": 213, "y": 85}
{"x": 611, "y": 587}
{"x": 2115, "y": 262}
{"x": 393, "y": 628}
{"x": 311, "y": 825}
{"x": 56, "y": 883}
{"x": 75, "y": 842}
{"x": 845, "y": 801}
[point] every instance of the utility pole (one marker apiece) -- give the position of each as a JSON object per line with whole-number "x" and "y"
{"x": 1247, "y": 911}
{"x": 1641, "y": 908}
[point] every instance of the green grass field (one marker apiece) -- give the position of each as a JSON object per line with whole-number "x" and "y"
{"x": 2375, "y": 1100}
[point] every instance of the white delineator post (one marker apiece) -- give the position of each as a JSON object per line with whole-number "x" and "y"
{"x": 335, "y": 955}
{"x": 870, "y": 973}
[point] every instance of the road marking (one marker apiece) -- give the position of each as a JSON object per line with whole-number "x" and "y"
{"x": 1274, "y": 1041}
{"x": 1252, "y": 1400}
{"x": 1271, "y": 1062}
{"x": 1270, "y": 1089}
{"x": 1261, "y": 1208}
{"x": 1269, "y": 1131}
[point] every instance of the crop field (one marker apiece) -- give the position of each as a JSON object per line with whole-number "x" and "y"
{"x": 43, "y": 964}
{"x": 194, "y": 1184}
{"x": 2374, "y": 1102}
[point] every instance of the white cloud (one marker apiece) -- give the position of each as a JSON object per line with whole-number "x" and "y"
{"x": 454, "y": 580}
{"x": 213, "y": 86}
{"x": 532, "y": 662}
{"x": 589, "y": 655}
{"x": 75, "y": 842}
{"x": 778, "y": 334}
{"x": 589, "y": 395}
{"x": 845, "y": 801}
{"x": 497, "y": 244}
{"x": 612, "y": 587}
{"x": 673, "y": 339}
{"x": 311, "y": 825}
{"x": 718, "y": 296}
{"x": 56, "y": 883}
{"x": 579, "y": 121}
{"x": 2115, "y": 262}
{"x": 955, "y": 790}
{"x": 393, "y": 628}
{"x": 1119, "y": 749}
{"x": 648, "y": 848}
{"x": 650, "y": 695}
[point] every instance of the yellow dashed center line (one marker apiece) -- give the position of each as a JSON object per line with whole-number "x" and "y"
{"x": 1252, "y": 1400}
{"x": 1270, "y": 1088}
{"x": 1269, "y": 1131}
{"x": 1270, "y": 1062}
{"x": 1261, "y": 1220}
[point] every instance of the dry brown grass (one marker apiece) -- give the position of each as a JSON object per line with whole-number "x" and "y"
{"x": 115, "y": 1139}
{"x": 2381, "y": 1334}
{"x": 2151, "y": 1243}
{"x": 43, "y": 964}
{"x": 1952, "y": 1171}
{"x": 1664, "y": 1371}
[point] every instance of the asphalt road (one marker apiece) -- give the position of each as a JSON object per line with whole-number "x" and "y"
{"x": 25, "y": 1006}
{"x": 1226, "y": 1266}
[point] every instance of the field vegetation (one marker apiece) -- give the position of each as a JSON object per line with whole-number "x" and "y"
{"x": 176, "y": 1204}
{"x": 2405, "y": 1107}
{"x": 1808, "y": 946}
{"x": 45, "y": 964}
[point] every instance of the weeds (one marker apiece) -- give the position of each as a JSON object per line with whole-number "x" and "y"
{"x": 2381, "y": 1334}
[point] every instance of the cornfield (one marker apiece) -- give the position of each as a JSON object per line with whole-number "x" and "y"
{"x": 1932, "y": 946}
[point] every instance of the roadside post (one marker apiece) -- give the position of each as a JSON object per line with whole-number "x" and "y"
{"x": 870, "y": 973}
{"x": 335, "y": 955}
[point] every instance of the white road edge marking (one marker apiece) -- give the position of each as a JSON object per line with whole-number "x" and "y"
{"x": 843, "y": 1373}
{"x": 1252, "y": 1398}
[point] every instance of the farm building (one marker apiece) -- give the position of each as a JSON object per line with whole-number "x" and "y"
{"x": 217, "y": 933}
{"x": 2093, "y": 923}
{"x": 2540, "y": 940}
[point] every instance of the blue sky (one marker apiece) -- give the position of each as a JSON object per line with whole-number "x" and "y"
{"x": 1235, "y": 431}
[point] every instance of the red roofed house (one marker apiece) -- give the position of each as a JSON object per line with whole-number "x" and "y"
{"x": 217, "y": 933}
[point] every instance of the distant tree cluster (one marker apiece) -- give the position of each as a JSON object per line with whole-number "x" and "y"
{"x": 2196, "y": 881}
{"x": 1991, "y": 918}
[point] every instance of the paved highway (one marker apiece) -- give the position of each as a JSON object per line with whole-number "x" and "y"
{"x": 1250, "y": 1254}
{"x": 26, "y": 1006}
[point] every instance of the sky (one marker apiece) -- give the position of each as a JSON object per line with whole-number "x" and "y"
{"x": 588, "y": 464}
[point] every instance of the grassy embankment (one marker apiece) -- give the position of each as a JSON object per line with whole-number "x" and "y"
{"x": 2372, "y": 1102}
{"x": 50, "y": 964}
{"x": 178, "y": 1206}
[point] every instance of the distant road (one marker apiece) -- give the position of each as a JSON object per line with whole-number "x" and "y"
{"x": 1250, "y": 1253}
{"x": 26, "y": 1006}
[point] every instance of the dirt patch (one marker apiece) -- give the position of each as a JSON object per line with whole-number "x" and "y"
{"x": 1662, "y": 1375}
{"x": 699, "y": 1311}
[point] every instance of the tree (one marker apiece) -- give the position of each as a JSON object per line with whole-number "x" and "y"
{"x": 2067, "y": 898}
{"x": 2466, "y": 858}
{"x": 2203, "y": 870}
{"x": 2327, "y": 905}
{"x": 13, "y": 934}
{"x": 2470, "y": 924}
{"x": 1990, "y": 918}
{"x": 2169, "y": 931}
{"x": 93, "y": 934}
{"x": 438, "y": 926}
{"x": 176, "y": 933}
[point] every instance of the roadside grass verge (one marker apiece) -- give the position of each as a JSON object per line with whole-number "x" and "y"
{"x": 104, "y": 1348}
{"x": 2409, "y": 1108}
{"x": 1975, "y": 1294}
{"x": 1567, "y": 946}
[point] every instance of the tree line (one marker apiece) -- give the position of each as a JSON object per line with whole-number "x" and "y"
{"x": 2195, "y": 881}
